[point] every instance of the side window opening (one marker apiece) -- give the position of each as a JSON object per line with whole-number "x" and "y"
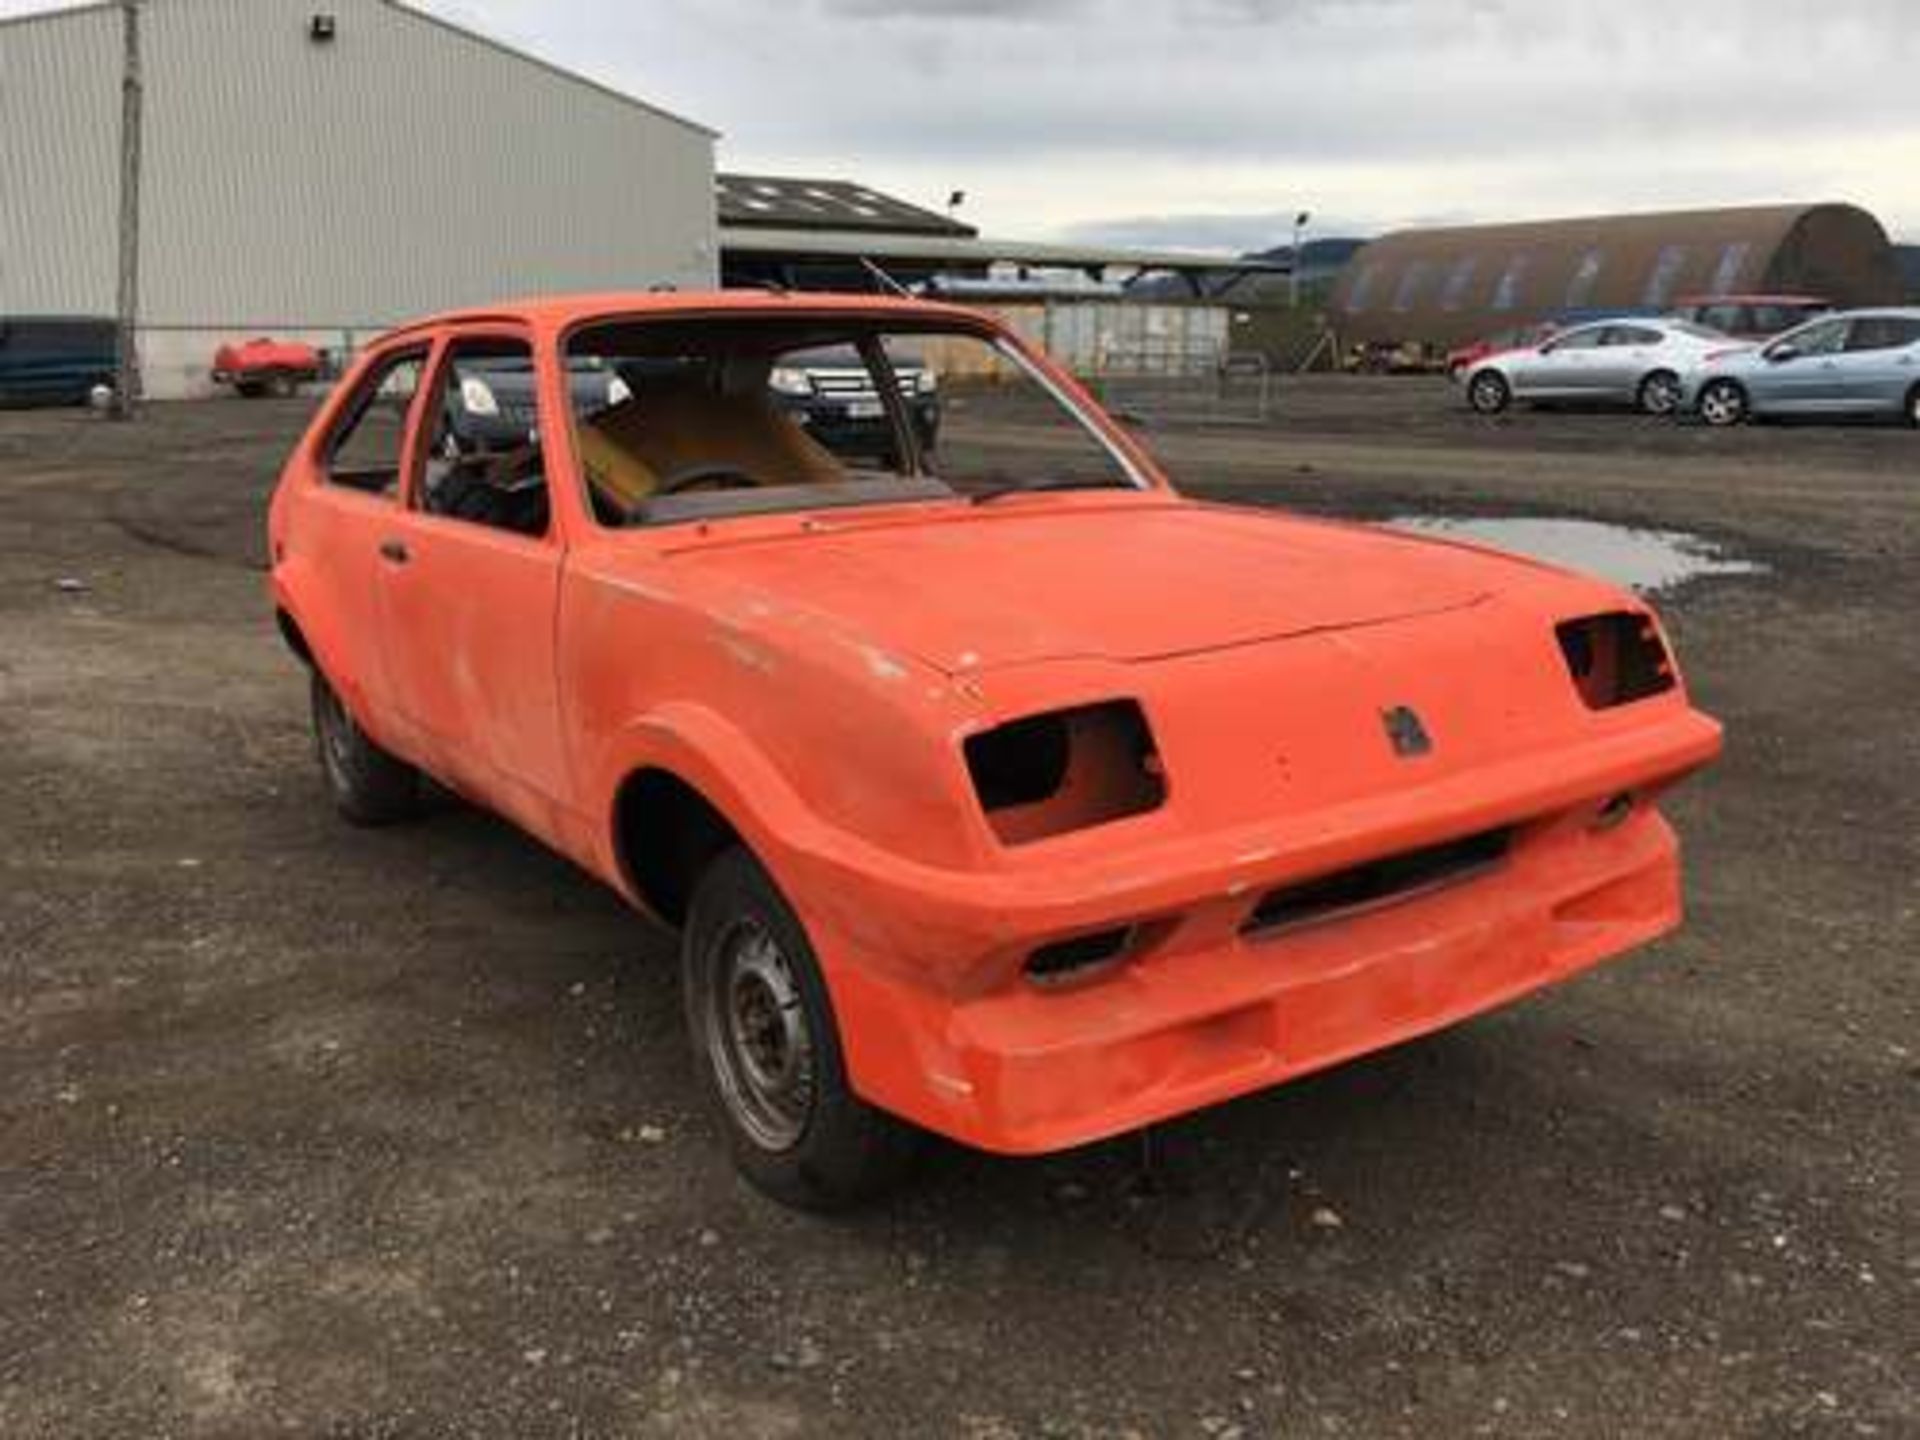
{"x": 1880, "y": 332}
{"x": 485, "y": 464}
{"x": 365, "y": 450}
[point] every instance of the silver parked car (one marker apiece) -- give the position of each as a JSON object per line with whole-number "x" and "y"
{"x": 1627, "y": 362}
{"x": 1864, "y": 362}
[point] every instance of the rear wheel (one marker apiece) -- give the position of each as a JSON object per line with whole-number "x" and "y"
{"x": 1660, "y": 393}
{"x": 369, "y": 786}
{"x": 1723, "y": 403}
{"x": 769, "y": 1051}
{"x": 1488, "y": 392}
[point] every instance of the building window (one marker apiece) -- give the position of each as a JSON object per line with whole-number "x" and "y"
{"x": 1506, "y": 294}
{"x": 1412, "y": 281}
{"x": 1363, "y": 283}
{"x": 1585, "y": 277}
{"x": 1666, "y": 270}
{"x": 1453, "y": 295}
{"x": 1733, "y": 260}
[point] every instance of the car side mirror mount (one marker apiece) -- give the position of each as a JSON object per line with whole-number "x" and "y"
{"x": 1780, "y": 354}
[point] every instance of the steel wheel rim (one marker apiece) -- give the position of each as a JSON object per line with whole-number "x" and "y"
{"x": 758, "y": 1039}
{"x": 336, "y": 737}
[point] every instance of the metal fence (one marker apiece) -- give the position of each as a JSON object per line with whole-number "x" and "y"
{"x": 1184, "y": 382}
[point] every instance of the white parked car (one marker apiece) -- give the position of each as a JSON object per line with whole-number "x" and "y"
{"x": 1625, "y": 362}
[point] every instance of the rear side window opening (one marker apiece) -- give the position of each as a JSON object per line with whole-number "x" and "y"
{"x": 712, "y": 418}
{"x": 368, "y": 442}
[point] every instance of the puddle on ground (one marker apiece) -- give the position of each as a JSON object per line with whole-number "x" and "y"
{"x": 1644, "y": 560}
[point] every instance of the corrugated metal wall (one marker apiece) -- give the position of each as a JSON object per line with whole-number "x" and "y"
{"x": 1096, "y": 337}
{"x": 59, "y": 163}
{"x": 1445, "y": 286}
{"x": 403, "y": 168}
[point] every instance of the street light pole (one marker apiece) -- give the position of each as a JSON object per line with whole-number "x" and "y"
{"x": 126, "y": 383}
{"x": 1293, "y": 266}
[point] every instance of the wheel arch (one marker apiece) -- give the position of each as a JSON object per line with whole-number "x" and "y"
{"x": 666, "y": 830}
{"x": 1489, "y": 370}
{"x": 1730, "y": 382}
{"x": 294, "y": 637}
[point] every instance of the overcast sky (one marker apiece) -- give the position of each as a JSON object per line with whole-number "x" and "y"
{"x": 1209, "y": 122}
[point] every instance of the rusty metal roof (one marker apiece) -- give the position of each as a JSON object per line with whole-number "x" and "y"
{"x": 1444, "y": 286}
{"x": 792, "y": 203}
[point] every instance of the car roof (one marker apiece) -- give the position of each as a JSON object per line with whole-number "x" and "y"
{"x": 1871, "y": 312}
{"x": 1651, "y": 322}
{"x": 1752, "y": 300}
{"x": 560, "y": 312}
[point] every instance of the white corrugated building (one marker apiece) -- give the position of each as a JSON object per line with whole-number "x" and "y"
{"x": 325, "y": 168}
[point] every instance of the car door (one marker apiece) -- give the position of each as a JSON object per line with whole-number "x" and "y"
{"x": 1561, "y": 369}
{"x": 469, "y": 585}
{"x": 1877, "y": 369}
{"x": 347, "y": 503}
{"x": 1797, "y": 373}
{"x": 1627, "y": 354}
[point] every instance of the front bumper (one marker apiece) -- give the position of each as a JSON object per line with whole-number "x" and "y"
{"x": 1208, "y": 1011}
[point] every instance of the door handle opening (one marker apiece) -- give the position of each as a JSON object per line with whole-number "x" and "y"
{"x": 394, "y": 552}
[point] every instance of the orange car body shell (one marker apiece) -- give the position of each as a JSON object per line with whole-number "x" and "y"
{"x": 814, "y": 676}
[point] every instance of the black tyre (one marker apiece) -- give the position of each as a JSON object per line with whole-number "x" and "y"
{"x": 1913, "y": 407}
{"x": 1660, "y": 393}
{"x": 1723, "y": 403}
{"x": 1488, "y": 392}
{"x": 369, "y": 786}
{"x": 769, "y": 1052}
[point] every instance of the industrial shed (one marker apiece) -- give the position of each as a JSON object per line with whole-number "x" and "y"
{"x": 1442, "y": 287}
{"x": 323, "y": 168}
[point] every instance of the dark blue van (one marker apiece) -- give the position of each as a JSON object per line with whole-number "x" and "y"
{"x": 54, "y": 359}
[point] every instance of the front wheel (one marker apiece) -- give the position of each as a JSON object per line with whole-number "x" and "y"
{"x": 1723, "y": 404}
{"x": 369, "y": 787}
{"x": 1660, "y": 393}
{"x": 1488, "y": 392}
{"x": 1913, "y": 407}
{"x": 769, "y": 1052}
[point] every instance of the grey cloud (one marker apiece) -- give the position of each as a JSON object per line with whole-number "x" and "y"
{"x": 1507, "y": 107}
{"x": 1031, "y": 11}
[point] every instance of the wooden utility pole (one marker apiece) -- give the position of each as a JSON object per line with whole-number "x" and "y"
{"x": 126, "y": 387}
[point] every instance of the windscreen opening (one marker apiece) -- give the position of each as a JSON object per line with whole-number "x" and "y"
{"x": 715, "y": 418}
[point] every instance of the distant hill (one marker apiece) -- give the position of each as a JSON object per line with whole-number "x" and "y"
{"x": 1322, "y": 260}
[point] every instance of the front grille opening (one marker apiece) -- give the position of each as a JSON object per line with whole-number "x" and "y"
{"x": 1616, "y": 659}
{"x": 1378, "y": 882}
{"x": 1076, "y": 958}
{"x": 1067, "y": 770}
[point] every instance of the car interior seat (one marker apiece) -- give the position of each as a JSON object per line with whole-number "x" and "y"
{"x": 721, "y": 416}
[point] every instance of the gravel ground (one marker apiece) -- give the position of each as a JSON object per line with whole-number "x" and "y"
{"x": 318, "y": 1132}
